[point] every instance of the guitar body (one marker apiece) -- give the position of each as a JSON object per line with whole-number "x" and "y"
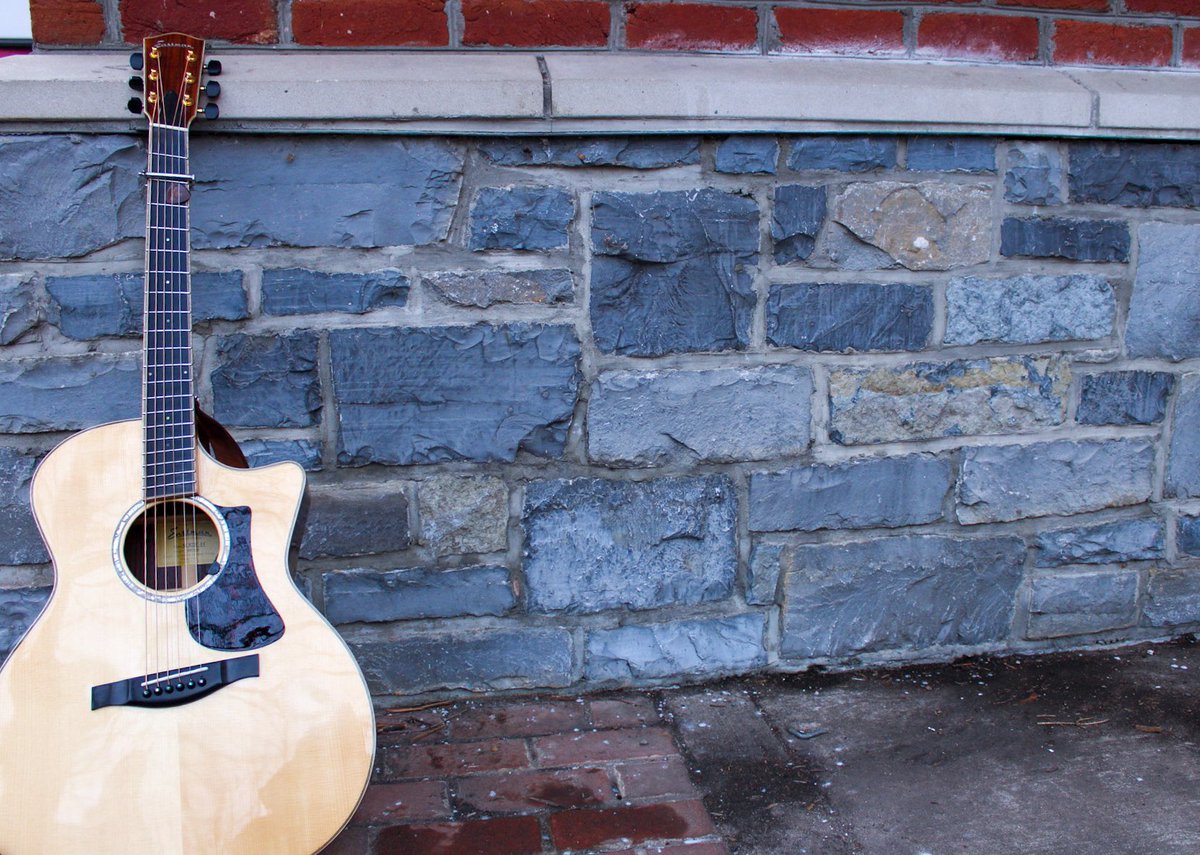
{"x": 274, "y": 763}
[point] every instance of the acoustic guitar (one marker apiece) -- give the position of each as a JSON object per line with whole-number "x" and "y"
{"x": 178, "y": 694}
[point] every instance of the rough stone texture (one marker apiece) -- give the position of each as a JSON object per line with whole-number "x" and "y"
{"x": 742, "y": 155}
{"x": 21, "y": 544}
{"x": 484, "y": 288}
{"x": 646, "y": 418}
{"x": 76, "y": 194}
{"x": 453, "y": 393}
{"x": 892, "y": 593}
{"x": 1136, "y": 174}
{"x": 19, "y": 312}
{"x": 355, "y": 521}
{"x": 700, "y": 647}
{"x": 762, "y": 573}
{"x": 951, "y": 154}
{"x": 680, "y": 273}
{"x": 1078, "y": 603}
{"x": 267, "y": 380}
{"x": 1124, "y": 397}
{"x": 796, "y": 221}
{"x": 18, "y": 608}
{"x": 525, "y": 218}
{"x": 303, "y": 292}
{"x": 1164, "y": 311}
{"x": 1183, "y": 457}
{"x": 845, "y": 317}
{"x": 631, "y": 152}
{"x": 1059, "y": 237}
{"x": 932, "y": 225}
{"x": 1011, "y": 482}
{"x": 1035, "y": 174}
{"x": 887, "y": 491}
{"x": 1106, "y": 543}
{"x": 593, "y": 544}
{"x": 1187, "y": 535}
{"x": 317, "y": 190}
{"x": 262, "y": 452}
{"x": 843, "y": 154}
{"x": 1172, "y": 599}
{"x": 839, "y": 249}
{"x": 924, "y": 400}
{"x": 371, "y": 596}
{"x": 463, "y": 514}
{"x": 68, "y": 393}
{"x": 1028, "y": 309}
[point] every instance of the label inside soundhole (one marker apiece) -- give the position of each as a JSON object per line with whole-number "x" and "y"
{"x": 171, "y": 546}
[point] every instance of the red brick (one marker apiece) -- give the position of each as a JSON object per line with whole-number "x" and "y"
{"x": 513, "y": 792}
{"x": 1081, "y": 5}
{"x": 1191, "y": 47}
{"x": 393, "y": 728}
{"x": 67, "y": 22}
{"x": 690, "y": 26}
{"x": 352, "y": 841}
{"x": 570, "y": 749}
{"x": 536, "y": 718}
{"x": 654, "y": 779}
{"x": 390, "y": 803}
{"x": 1090, "y": 43}
{"x": 623, "y": 712}
{"x": 841, "y": 31}
{"x": 243, "y": 21}
{"x": 584, "y": 829}
{"x": 370, "y": 22}
{"x": 1008, "y": 38}
{"x": 1190, "y": 8}
{"x": 536, "y": 23}
{"x": 513, "y": 835}
{"x": 451, "y": 759}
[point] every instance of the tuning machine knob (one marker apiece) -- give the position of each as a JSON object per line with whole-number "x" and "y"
{"x": 134, "y": 105}
{"x": 212, "y": 89}
{"x": 135, "y": 60}
{"x": 213, "y": 67}
{"x": 211, "y": 111}
{"x": 136, "y": 83}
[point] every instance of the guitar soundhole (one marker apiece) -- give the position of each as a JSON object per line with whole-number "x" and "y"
{"x": 172, "y": 546}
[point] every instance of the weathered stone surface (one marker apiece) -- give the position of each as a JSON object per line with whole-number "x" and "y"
{"x": 371, "y": 596}
{"x": 742, "y": 155}
{"x": 899, "y": 592}
{"x": 1106, "y": 543}
{"x": 1172, "y": 598}
{"x": 19, "y": 311}
{"x": 90, "y": 307}
{"x": 463, "y": 514}
{"x": 646, "y": 418}
{"x": 1187, "y": 535}
{"x": 1078, "y": 603}
{"x": 355, "y": 521}
{"x": 75, "y": 194}
{"x": 1035, "y": 174}
{"x": 483, "y": 288}
{"x": 887, "y": 491}
{"x": 526, "y": 218}
{"x": 480, "y": 660}
{"x": 1011, "y": 482}
{"x": 1028, "y": 309}
{"x": 679, "y": 278}
{"x": 1059, "y": 237}
{"x": 843, "y": 154}
{"x": 951, "y": 154}
{"x": 838, "y": 248}
{"x": 21, "y": 543}
{"x": 796, "y": 221}
{"x": 267, "y": 380}
{"x": 68, "y": 393}
{"x": 593, "y": 544}
{"x": 18, "y": 608}
{"x": 763, "y": 571}
{"x": 927, "y": 226}
{"x": 1183, "y": 458}
{"x": 631, "y": 152}
{"x": 453, "y": 393}
{"x": 845, "y": 317}
{"x": 686, "y": 647}
{"x": 924, "y": 400}
{"x": 262, "y": 452}
{"x": 317, "y": 190}
{"x": 1136, "y": 174}
{"x": 1124, "y": 397}
{"x": 1164, "y": 311}
{"x": 302, "y": 292}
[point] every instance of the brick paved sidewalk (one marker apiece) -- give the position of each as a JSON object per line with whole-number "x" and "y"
{"x": 585, "y": 775}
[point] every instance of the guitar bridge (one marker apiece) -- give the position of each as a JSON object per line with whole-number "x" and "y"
{"x": 172, "y": 688}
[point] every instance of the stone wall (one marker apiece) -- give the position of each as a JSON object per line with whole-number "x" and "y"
{"x": 587, "y": 412}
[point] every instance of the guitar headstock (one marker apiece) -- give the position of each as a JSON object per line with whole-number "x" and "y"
{"x": 173, "y": 64}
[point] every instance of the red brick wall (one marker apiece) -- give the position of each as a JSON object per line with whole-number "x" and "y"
{"x": 1143, "y": 33}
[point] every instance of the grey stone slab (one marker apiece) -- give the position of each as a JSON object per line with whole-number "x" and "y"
{"x": 21, "y": 544}
{"x": 1105, "y": 543}
{"x": 763, "y": 571}
{"x": 1164, "y": 311}
{"x": 1124, "y": 397}
{"x": 747, "y": 154}
{"x": 594, "y": 544}
{"x": 69, "y": 392}
{"x": 372, "y": 596}
{"x": 19, "y": 312}
{"x": 796, "y": 220}
{"x": 520, "y": 218}
{"x": 262, "y": 452}
{"x": 1010, "y": 482}
{"x": 687, "y": 648}
{"x": 842, "y": 153}
{"x": 846, "y": 317}
{"x": 295, "y": 291}
{"x": 1078, "y": 603}
{"x": 1035, "y": 174}
{"x": 356, "y": 521}
{"x": 1183, "y": 455}
{"x": 1062, "y": 237}
{"x": 19, "y": 607}
{"x": 630, "y": 152}
{"x": 951, "y": 154}
{"x": 463, "y": 513}
{"x": 1187, "y": 535}
{"x": 893, "y": 593}
{"x": 484, "y": 288}
{"x": 840, "y": 249}
{"x": 1172, "y": 599}
{"x": 1136, "y": 174}
{"x": 267, "y": 380}
{"x": 434, "y": 394}
{"x": 1029, "y": 309}
{"x": 647, "y": 418}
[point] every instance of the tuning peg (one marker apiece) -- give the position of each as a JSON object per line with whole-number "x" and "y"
{"x": 212, "y": 89}
{"x": 213, "y": 67}
{"x": 135, "y": 60}
{"x": 211, "y": 111}
{"x": 136, "y": 84}
{"x": 134, "y": 105}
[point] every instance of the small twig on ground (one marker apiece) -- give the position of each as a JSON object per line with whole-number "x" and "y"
{"x": 1079, "y": 722}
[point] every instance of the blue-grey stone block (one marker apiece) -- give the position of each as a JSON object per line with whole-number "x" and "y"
{"x": 303, "y": 292}
{"x": 763, "y": 572}
{"x": 796, "y": 220}
{"x": 951, "y": 154}
{"x": 68, "y": 195}
{"x": 909, "y": 593}
{"x": 18, "y": 609}
{"x": 1172, "y": 599}
{"x": 362, "y": 521}
{"x": 684, "y": 648}
{"x": 21, "y": 544}
{"x": 1164, "y": 311}
{"x": 267, "y": 380}
{"x": 1183, "y": 456}
{"x": 1187, "y": 535}
{"x": 263, "y": 452}
{"x": 371, "y": 596}
{"x": 434, "y": 394}
{"x": 631, "y": 152}
{"x": 317, "y": 190}
{"x": 1035, "y": 174}
{"x": 483, "y": 288}
{"x": 1106, "y": 543}
{"x": 748, "y": 154}
{"x": 69, "y": 393}
{"x": 887, "y": 491}
{"x": 1124, "y": 397}
{"x": 1028, "y": 309}
{"x": 1011, "y": 482}
{"x": 842, "y": 153}
{"x": 1078, "y": 603}
{"x": 845, "y": 317}
{"x": 593, "y": 544}
{"x": 527, "y": 218}
{"x": 673, "y": 271}
{"x": 19, "y": 311}
{"x": 1136, "y": 174}
{"x": 1059, "y": 237}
